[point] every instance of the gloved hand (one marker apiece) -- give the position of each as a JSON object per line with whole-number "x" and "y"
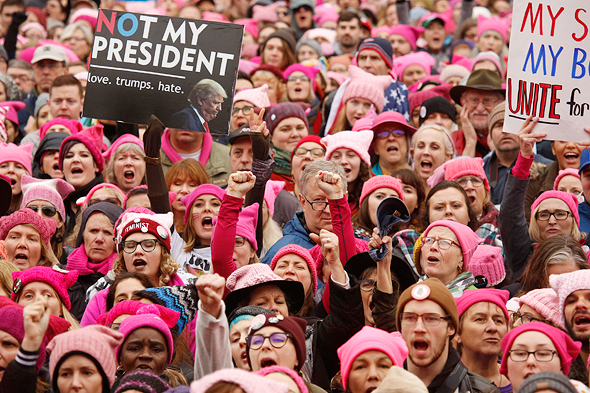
{"x": 152, "y": 138}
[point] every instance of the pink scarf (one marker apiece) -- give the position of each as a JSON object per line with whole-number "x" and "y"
{"x": 78, "y": 260}
{"x": 174, "y": 156}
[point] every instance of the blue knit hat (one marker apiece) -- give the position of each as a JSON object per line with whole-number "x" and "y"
{"x": 379, "y": 45}
{"x": 182, "y": 299}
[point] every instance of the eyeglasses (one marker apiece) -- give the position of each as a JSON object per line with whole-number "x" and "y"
{"x": 240, "y": 241}
{"x": 475, "y": 181}
{"x": 444, "y": 244}
{"x": 298, "y": 79}
{"x": 542, "y": 355}
{"x": 385, "y": 134}
{"x": 488, "y": 102}
{"x": 245, "y": 110}
{"x": 303, "y": 7}
{"x": 320, "y": 205}
{"x": 524, "y": 318}
{"x": 429, "y": 319}
{"x": 277, "y": 340}
{"x": 315, "y": 153}
{"x": 147, "y": 245}
{"x": 367, "y": 285}
{"x": 114, "y": 201}
{"x": 559, "y": 215}
{"x": 22, "y": 78}
{"x": 48, "y": 211}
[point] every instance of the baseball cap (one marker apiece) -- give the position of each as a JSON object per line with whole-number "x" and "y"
{"x": 49, "y": 52}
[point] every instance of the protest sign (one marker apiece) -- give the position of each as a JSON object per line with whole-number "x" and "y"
{"x": 181, "y": 70}
{"x": 548, "y": 68}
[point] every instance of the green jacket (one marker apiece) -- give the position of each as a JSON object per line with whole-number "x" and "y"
{"x": 218, "y": 166}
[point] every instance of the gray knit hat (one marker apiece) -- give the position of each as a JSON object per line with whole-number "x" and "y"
{"x": 309, "y": 42}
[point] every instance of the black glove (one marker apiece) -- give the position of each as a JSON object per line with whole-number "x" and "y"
{"x": 152, "y": 138}
{"x": 260, "y": 146}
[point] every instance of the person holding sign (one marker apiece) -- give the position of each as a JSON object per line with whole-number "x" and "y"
{"x": 206, "y": 99}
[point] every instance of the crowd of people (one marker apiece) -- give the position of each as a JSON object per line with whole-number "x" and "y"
{"x": 384, "y": 234}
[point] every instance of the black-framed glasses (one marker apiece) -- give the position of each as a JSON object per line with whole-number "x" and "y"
{"x": 48, "y": 211}
{"x": 559, "y": 215}
{"x": 316, "y": 152}
{"x": 385, "y": 134}
{"x": 542, "y": 355}
{"x": 303, "y": 7}
{"x": 147, "y": 245}
{"x": 245, "y": 110}
{"x": 113, "y": 200}
{"x": 443, "y": 244}
{"x": 475, "y": 181}
{"x": 240, "y": 241}
{"x": 277, "y": 340}
{"x": 367, "y": 285}
{"x": 301, "y": 78}
{"x": 429, "y": 319}
{"x": 524, "y": 318}
{"x": 321, "y": 205}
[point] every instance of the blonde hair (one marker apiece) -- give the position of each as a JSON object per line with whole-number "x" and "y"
{"x": 266, "y": 75}
{"x": 65, "y": 314}
{"x": 109, "y": 172}
{"x": 168, "y": 267}
{"x": 271, "y": 232}
{"x": 535, "y": 232}
{"x": 6, "y": 269}
{"x": 449, "y": 144}
{"x": 189, "y": 235}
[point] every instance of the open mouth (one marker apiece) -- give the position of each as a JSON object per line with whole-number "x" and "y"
{"x": 20, "y": 257}
{"x": 420, "y": 346}
{"x": 243, "y": 356}
{"x": 267, "y": 363}
{"x": 347, "y": 171}
{"x": 433, "y": 259}
{"x": 426, "y": 165}
{"x": 207, "y": 223}
{"x": 12, "y": 182}
{"x": 143, "y": 367}
{"x": 241, "y": 122}
{"x": 571, "y": 157}
{"x": 129, "y": 175}
{"x": 297, "y": 90}
{"x": 471, "y": 199}
{"x": 56, "y": 167}
{"x": 77, "y": 171}
{"x": 582, "y": 320}
{"x": 392, "y": 148}
{"x": 139, "y": 263}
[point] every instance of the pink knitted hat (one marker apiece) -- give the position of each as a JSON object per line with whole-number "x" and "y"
{"x": 454, "y": 70}
{"x": 466, "y": 166}
{"x": 271, "y": 191}
{"x": 13, "y": 108}
{"x": 570, "y": 200}
{"x": 281, "y": 369}
{"x": 125, "y": 138}
{"x": 131, "y": 307}
{"x": 310, "y": 72}
{"x": 147, "y": 316}
{"x": 563, "y": 173}
{"x": 379, "y": 182}
{"x": 546, "y": 302}
{"x": 265, "y": 13}
{"x": 303, "y": 253}
{"x": 214, "y": 16}
{"x": 157, "y": 224}
{"x": 45, "y": 227}
{"x": 84, "y": 202}
{"x": 422, "y": 59}
{"x": 380, "y": 29}
{"x": 60, "y": 280}
{"x": 567, "y": 283}
{"x": 490, "y": 56}
{"x": 257, "y": 97}
{"x": 22, "y": 154}
{"x": 367, "y": 339}
{"x": 250, "y": 26}
{"x": 91, "y": 137}
{"x": 359, "y": 142}
{"x": 410, "y": 33}
{"x": 487, "y": 261}
{"x": 471, "y": 296}
{"x": 248, "y": 381}
{"x": 97, "y": 341}
{"x": 368, "y": 86}
{"x": 246, "y": 226}
{"x": 86, "y": 14}
{"x": 567, "y": 348}
{"x": 496, "y": 24}
{"x": 395, "y": 119}
{"x": 366, "y": 122}
{"x": 53, "y": 191}
{"x": 73, "y": 125}
{"x": 338, "y": 77}
{"x": 467, "y": 238}
{"x": 203, "y": 189}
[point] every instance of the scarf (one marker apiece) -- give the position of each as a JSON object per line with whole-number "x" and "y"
{"x": 174, "y": 156}
{"x": 283, "y": 162}
{"x": 78, "y": 260}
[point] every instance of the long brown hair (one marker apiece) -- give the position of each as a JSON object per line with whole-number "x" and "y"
{"x": 443, "y": 185}
{"x": 187, "y": 168}
{"x": 411, "y": 178}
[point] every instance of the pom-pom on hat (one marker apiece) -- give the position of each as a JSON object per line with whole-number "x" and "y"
{"x": 546, "y": 302}
{"x": 472, "y": 296}
{"x": 563, "y": 173}
{"x": 283, "y": 111}
{"x": 45, "y": 227}
{"x": 367, "y": 339}
{"x": 23, "y": 154}
{"x": 74, "y": 126}
{"x": 567, "y": 348}
{"x": 381, "y": 181}
{"x": 91, "y": 137}
{"x": 203, "y": 189}
{"x": 157, "y": 224}
{"x": 410, "y": 33}
{"x": 98, "y": 342}
{"x": 303, "y": 253}
{"x": 368, "y": 86}
{"x": 359, "y": 142}
{"x": 379, "y": 45}
{"x": 257, "y": 97}
{"x": 467, "y": 166}
{"x": 567, "y": 283}
{"x": 421, "y": 59}
{"x": 125, "y": 138}
{"x": 487, "y": 261}
{"x": 271, "y": 191}
{"x": 59, "y": 280}
{"x": 249, "y": 382}
{"x": 147, "y": 316}
{"x": 53, "y": 191}
{"x": 570, "y": 200}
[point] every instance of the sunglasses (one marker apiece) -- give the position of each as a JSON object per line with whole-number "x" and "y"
{"x": 48, "y": 211}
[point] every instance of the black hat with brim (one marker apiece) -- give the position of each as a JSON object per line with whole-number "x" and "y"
{"x": 482, "y": 80}
{"x": 399, "y": 268}
{"x": 293, "y": 290}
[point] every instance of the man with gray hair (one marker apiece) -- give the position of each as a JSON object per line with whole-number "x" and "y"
{"x": 206, "y": 98}
{"x": 324, "y": 205}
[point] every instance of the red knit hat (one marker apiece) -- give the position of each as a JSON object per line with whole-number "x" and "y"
{"x": 570, "y": 200}
{"x": 466, "y": 166}
{"x": 381, "y": 181}
{"x": 157, "y": 224}
{"x": 309, "y": 138}
{"x": 91, "y": 137}
{"x": 283, "y": 111}
{"x": 303, "y": 253}
{"x": 45, "y": 227}
{"x": 60, "y": 280}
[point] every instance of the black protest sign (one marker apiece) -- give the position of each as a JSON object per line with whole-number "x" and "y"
{"x": 181, "y": 70}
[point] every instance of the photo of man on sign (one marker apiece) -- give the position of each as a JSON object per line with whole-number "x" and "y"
{"x": 205, "y": 100}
